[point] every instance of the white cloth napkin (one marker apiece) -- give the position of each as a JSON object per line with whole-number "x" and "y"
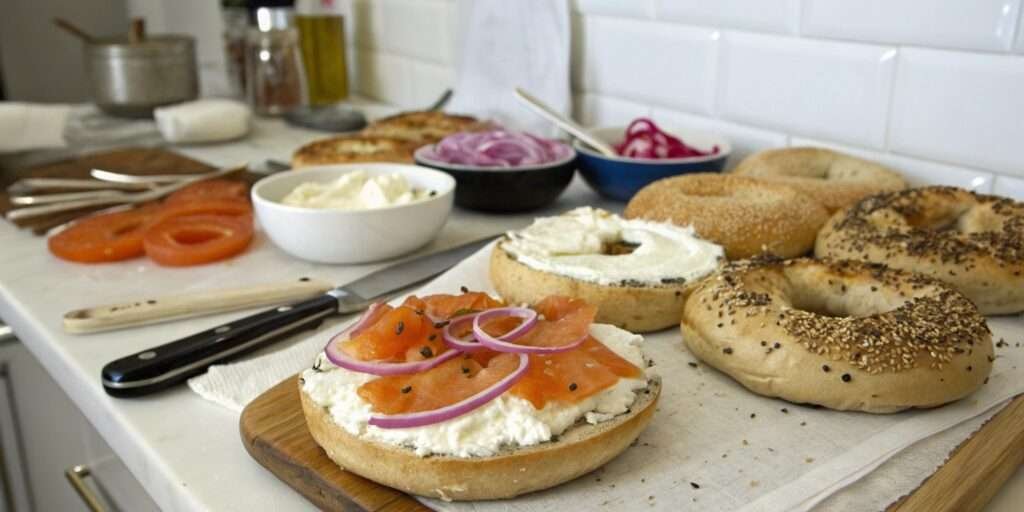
{"x": 27, "y": 126}
{"x": 504, "y": 45}
{"x": 745, "y": 452}
{"x": 205, "y": 120}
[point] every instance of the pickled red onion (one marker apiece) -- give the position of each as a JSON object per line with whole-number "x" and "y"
{"x": 645, "y": 140}
{"x": 498, "y": 148}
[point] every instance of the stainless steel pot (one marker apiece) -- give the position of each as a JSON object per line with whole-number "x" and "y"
{"x": 131, "y": 79}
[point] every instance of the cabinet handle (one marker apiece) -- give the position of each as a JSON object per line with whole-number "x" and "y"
{"x": 76, "y": 476}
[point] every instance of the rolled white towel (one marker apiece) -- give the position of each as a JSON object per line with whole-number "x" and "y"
{"x": 26, "y": 126}
{"x": 206, "y": 120}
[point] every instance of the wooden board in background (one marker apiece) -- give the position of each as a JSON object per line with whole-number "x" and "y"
{"x": 274, "y": 432}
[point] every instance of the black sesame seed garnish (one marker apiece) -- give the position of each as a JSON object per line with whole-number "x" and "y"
{"x": 406, "y": 390}
{"x": 847, "y": 377}
{"x": 784, "y": 410}
{"x": 727, "y": 350}
{"x": 150, "y": 302}
{"x": 969, "y": 368}
{"x": 463, "y": 289}
{"x": 465, "y": 370}
{"x": 777, "y": 345}
{"x": 441, "y": 325}
{"x": 753, "y": 415}
{"x": 432, "y": 193}
{"x": 400, "y": 327}
{"x": 694, "y": 485}
{"x": 825, "y": 368}
{"x": 432, "y": 337}
{"x": 426, "y": 352}
{"x": 304, "y": 279}
{"x": 692, "y": 364}
{"x": 764, "y": 343}
{"x": 720, "y": 325}
{"x": 572, "y": 386}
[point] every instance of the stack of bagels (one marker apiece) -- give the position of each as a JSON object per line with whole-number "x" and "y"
{"x": 840, "y": 286}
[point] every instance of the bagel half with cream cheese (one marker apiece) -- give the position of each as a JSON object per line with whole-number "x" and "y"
{"x": 636, "y": 272}
{"x": 536, "y": 396}
{"x": 846, "y": 335}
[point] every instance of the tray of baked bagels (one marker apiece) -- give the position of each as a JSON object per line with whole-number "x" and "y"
{"x": 754, "y": 340}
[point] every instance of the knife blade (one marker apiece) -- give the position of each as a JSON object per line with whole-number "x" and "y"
{"x": 160, "y": 367}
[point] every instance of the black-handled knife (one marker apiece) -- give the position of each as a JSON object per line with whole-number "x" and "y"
{"x": 159, "y": 367}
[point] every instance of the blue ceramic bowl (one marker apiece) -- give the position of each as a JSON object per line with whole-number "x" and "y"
{"x": 617, "y": 177}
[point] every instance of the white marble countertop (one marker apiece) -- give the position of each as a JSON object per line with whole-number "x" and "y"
{"x": 186, "y": 451}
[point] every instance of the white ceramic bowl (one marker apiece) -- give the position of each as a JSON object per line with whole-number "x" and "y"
{"x": 357, "y": 236}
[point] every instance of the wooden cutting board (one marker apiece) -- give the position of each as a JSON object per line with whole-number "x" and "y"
{"x": 139, "y": 161}
{"x": 274, "y": 432}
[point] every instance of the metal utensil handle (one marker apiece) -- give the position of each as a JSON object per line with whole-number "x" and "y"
{"x": 76, "y": 476}
{"x": 563, "y": 122}
{"x": 159, "y": 367}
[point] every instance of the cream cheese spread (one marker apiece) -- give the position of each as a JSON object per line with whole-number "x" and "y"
{"x": 356, "y": 190}
{"x": 506, "y": 421}
{"x": 575, "y": 243}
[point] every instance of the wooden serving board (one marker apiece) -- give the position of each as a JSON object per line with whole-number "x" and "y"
{"x": 274, "y": 432}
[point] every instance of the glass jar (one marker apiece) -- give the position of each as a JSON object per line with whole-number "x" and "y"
{"x": 275, "y": 81}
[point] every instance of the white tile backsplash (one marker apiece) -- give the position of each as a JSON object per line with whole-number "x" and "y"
{"x": 409, "y": 33}
{"x": 429, "y": 81}
{"x": 823, "y": 89}
{"x": 658, "y": 63}
{"x": 767, "y": 16}
{"x": 974, "y": 24}
{"x": 627, "y": 9}
{"x": 1009, "y": 187}
{"x": 598, "y": 110}
{"x": 966, "y": 109}
{"x": 384, "y": 77}
{"x": 917, "y": 172}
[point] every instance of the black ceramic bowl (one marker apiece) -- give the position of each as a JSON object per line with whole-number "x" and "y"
{"x": 514, "y": 189}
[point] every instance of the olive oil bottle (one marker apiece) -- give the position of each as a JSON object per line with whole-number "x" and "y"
{"x": 322, "y": 39}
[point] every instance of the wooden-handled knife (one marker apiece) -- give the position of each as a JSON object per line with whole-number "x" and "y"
{"x": 159, "y": 367}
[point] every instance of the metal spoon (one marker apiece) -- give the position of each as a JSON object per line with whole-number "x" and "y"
{"x": 69, "y": 196}
{"x": 540, "y": 108}
{"x": 152, "y": 179}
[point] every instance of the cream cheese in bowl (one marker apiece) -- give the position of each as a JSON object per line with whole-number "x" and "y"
{"x": 356, "y": 190}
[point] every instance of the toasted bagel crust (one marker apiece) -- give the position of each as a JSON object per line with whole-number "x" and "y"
{"x": 345, "y": 149}
{"x": 835, "y": 179}
{"x": 842, "y": 334}
{"x": 424, "y": 127}
{"x": 633, "y": 308}
{"x": 580, "y": 450}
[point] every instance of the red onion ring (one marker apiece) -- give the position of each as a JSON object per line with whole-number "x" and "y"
{"x": 419, "y": 419}
{"x": 498, "y": 148}
{"x": 645, "y": 140}
{"x": 501, "y": 344}
{"x": 338, "y": 356}
{"x": 456, "y": 343}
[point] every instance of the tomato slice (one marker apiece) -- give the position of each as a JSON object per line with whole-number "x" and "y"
{"x": 217, "y": 207}
{"x": 105, "y": 237}
{"x": 197, "y": 239}
{"x": 210, "y": 189}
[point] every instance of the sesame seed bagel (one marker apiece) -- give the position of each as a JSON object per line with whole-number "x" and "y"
{"x": 835, "y": 179}
{"x": 973, "y": 242}
{"x": 745, "y": 215}
{"x": 513, "y": 471}
{"x": 634, "y": 308}
{"x": 841, "y": 334}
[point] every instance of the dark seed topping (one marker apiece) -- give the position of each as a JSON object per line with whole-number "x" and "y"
{"x": 400, "y": 327}
{"x": 432, "y": 337}
{"x": 847, "y": 377}
{"x": 694, "y": 485}
{"x": 825, "y": 368}
{"x": 426, "y": 352}
{"x": 692, "y": 364}
{"x": 572, "y": 386}
{"x": 463, "y": 289}
{"x": 727, "y": 350}
{"x": 441, "y": 325}
{"x": 304, "y": 279}
{"x": 777, "y": 345}
{"x": 406, "y": 389}
{"x": 784, "y": 410}
{"x": 969, "y": 368}
{"x": 465, "y": 370}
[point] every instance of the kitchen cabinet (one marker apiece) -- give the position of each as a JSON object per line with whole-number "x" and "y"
{"x": 42, "y": 434}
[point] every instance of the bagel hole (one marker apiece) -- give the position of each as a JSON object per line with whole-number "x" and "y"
{"x": 618, "y": 248}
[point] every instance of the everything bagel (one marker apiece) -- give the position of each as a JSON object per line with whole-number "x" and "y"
{"x": 842, "y": 334}
{"x": 973, "y": 242}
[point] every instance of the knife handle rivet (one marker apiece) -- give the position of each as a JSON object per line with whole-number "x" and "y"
{"x": 145, "y": 356}
{"x": 222, "y": 329}
{"x": 282, "y": 309}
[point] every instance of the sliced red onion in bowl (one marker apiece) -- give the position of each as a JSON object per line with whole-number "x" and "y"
{"x": 422, "y": 418}
{"x": 498, "y": 148}
{"x": 503, "y": 343}
{"x": 645, "y": 140}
